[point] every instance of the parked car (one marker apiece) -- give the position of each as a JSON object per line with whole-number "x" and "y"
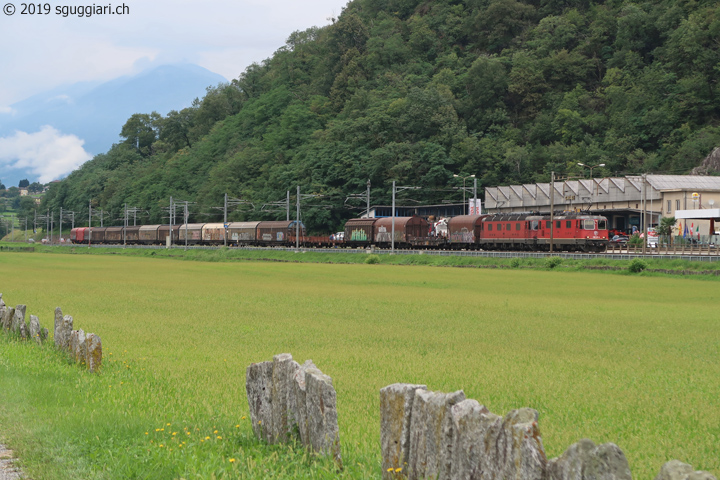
{"x": 619, "y": 240}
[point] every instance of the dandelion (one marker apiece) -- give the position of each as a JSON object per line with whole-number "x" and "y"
{"x": 188, "y": 433}
{"x": 237, "y": 426}
{"x": 174, "y": 433}
{"x": 162, "y": 429}
{"x": 157, "y": 429}
{"x": 215, "y": 431}
{"x": 390, "y": 469}
{"x": 161, "y": 445}
{"x": 232, "y": 460}
{"x": 207, "y": 438}
{"x": 243, "y": 418}
{"x": 259, "y": 422}
{"x": 219, "y": 437}
{"x": 146, "y": 433}
{"x": 398, "y": 470}
{"x": 167, "y": 424}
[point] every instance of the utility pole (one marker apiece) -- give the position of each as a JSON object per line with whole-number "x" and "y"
{"x": 61, "y": 216}
{"x": 392, "y": 238}
{"x": 297, "y": 221}
{"x": 367, "y": 211}
{"x": 644, "y": 214}
{"x": 552, "y": 209}
{"x": 225, "y": 222}
{"x": 287, "y": 208}
{"x": 171, "y": 212}
{"x": 475, "y": 206}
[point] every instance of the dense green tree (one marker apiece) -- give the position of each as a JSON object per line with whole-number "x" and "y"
{"x": 414, "y": 92}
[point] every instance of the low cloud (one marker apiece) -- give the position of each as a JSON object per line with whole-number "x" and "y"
{"x": 48, "y": 154}
{"x": 6, "y": 110}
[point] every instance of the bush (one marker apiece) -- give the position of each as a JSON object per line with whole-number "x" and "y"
{"x": 637, "y": 265}
{"x": 372, "y": 259}
{"x": 552, "y": 262}
{"x": 515, "y": 263}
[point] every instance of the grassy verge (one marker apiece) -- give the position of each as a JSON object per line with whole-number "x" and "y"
{"x": 624, "y": 359}
{"x": 653, "y": 266}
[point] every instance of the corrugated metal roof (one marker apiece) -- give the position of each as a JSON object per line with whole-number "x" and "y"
{"x": 683, "y": 182}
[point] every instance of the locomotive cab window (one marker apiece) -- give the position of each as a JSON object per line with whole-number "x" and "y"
{"x": 534, "y": 225}
{"x": 602, "y": 224}
{"x": 588, "y": 224}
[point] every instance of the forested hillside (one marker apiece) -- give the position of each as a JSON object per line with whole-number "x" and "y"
{"x": 416, "y": 91}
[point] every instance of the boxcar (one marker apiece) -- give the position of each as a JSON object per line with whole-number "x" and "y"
{"x": 408, "y": 231}
{"x": 78, "y": 235}
{"x": 193, "y": 232}
{"x": 242, "y": 233}
{"x": 213, "y": 233}
{"x": 132, "y": 234}
{"x": 114, "y": 235}
{"x": 465, "y": 231}
{"x": 277, "y": 233}
{"x": 359, "y": 231}
{"x": 96, "y": 235}
{"x": 164, "y": 232}
{"x": 148, "y": 235}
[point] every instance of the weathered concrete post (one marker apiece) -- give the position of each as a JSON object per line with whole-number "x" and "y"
{"x": 18, "y": 325}
{"x": 586, "y": 461}
{"x": 431, "y": 433}
{"x": 396, "y": 405}
{"x": 677, "y": 470}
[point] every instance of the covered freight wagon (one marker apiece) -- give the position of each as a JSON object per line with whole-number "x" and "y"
{"x": 113, "y": 235}
{"x": 96, "y": 234}
{"x": 359, "y": 231}
{"x": 164, "y": 232}
{"x": 278, "y": 233}
{"x": 242, "y": 233}
{"x": 190, "y": 233}
{"x": 465, "y": 230}
{"x": 148, "y": 235}
{"x": 408, "y": 230}
{"x": 213, "y": 233}
{"x": 78, "y": 235}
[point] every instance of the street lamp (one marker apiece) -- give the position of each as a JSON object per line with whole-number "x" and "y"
{"x": 465, "y": 178}
{"x": 591, "y": 167}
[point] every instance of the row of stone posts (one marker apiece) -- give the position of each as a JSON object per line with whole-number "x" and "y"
{"x": 445, "y": 436}
{"x": 84, "y": 348}
{"x": 289, "y": 401}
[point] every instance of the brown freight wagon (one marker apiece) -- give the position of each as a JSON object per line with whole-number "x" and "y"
{"x": 213, "y": 233}
{"x": 114, "y": 235}
{"x": 465, "y": 230}
{"x": 148, "y": 235}
{"x": 96, "y": 234}
{"x": 359, "y": 231}
{"x": 164, "y": 232}
{"x": 277, "y": 233}
{"x": 408, "y": 230}
{"x": 132, "y": 234}
{"x": 242, "y": 233}
{"x": 193, "y": 232}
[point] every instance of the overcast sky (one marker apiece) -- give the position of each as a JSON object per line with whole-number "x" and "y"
{"x": 42, "y": 51}
{"x": 225, "y": 36}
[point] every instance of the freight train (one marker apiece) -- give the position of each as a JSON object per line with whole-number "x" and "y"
{"x": 571, "y": 232}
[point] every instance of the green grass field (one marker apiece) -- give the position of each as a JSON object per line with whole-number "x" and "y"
{"x": 633, "y": 360}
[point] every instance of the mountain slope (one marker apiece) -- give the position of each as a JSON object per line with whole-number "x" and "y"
{"x": 419, "y": 91}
